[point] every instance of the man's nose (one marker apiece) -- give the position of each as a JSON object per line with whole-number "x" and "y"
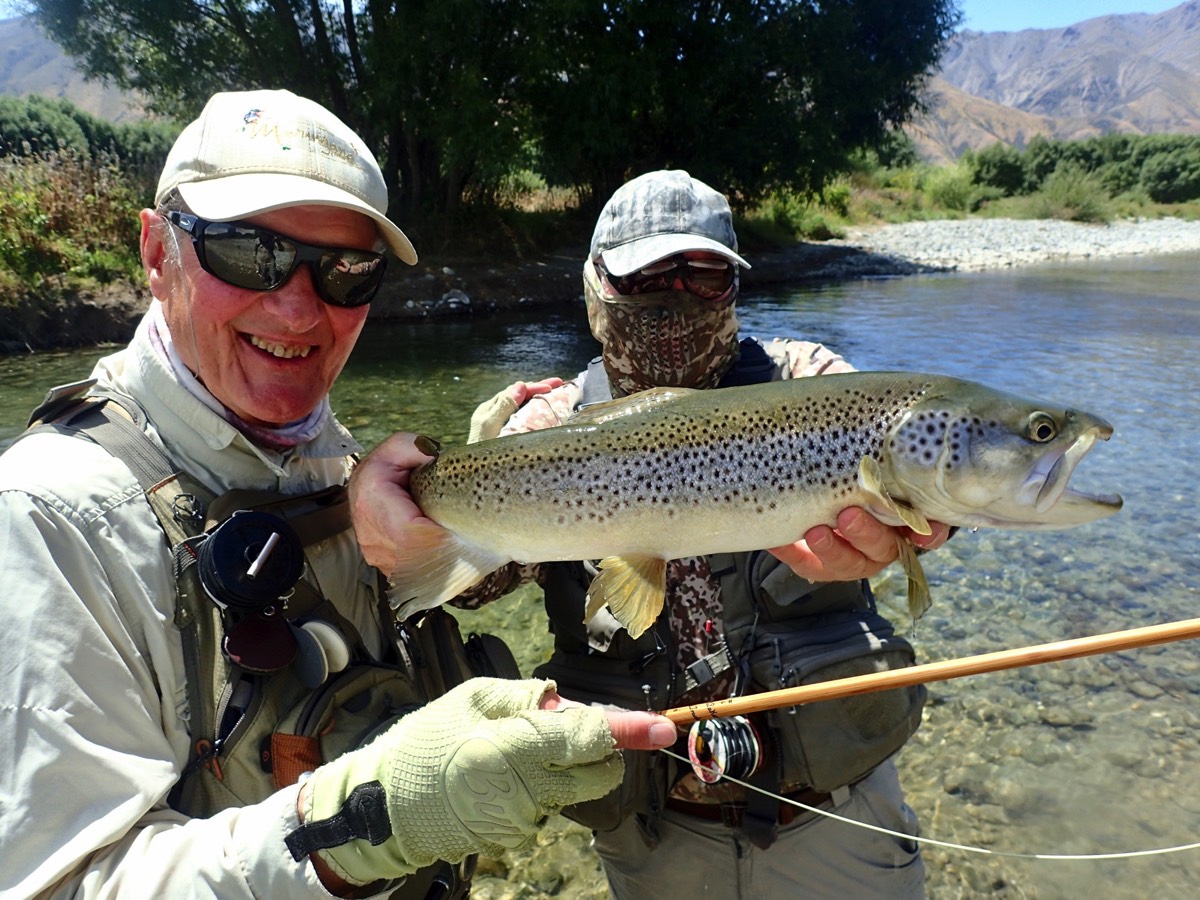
{"x": 296, "y": 301}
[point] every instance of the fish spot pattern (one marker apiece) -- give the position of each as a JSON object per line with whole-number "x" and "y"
{"x": 725, "y": 455}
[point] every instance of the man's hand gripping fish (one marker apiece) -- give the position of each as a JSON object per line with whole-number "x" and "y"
{"x": 673, "y": 472}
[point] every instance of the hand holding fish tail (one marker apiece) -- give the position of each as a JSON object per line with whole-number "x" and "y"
{"x": 859, "y": 546}
{"x": 381, "y": 508}
{"x": 489, "y": 417}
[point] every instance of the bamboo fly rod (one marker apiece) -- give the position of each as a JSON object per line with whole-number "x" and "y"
{"x": 1112, "y": 642}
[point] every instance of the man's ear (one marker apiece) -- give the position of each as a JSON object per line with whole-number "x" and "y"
{"x": 154, "y": 252}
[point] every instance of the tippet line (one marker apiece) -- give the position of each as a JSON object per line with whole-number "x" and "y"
{"x": 1012, "y": 854}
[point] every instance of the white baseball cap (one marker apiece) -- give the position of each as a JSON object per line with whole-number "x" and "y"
{"x": 251, "y": 152}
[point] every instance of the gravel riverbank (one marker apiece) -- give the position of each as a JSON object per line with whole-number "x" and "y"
{"x": 977, "y": 244}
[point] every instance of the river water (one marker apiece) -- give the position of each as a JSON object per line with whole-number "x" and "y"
{"x": 1092, "y": 756}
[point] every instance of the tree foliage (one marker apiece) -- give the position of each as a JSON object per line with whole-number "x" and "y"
{"x": 1166, "y": 167}
{"x": 453, "y": 95}
{"x": 750, "y": 95}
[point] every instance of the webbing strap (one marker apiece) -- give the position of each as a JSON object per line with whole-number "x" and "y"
{"x": 127, "y": 442}
{"x": 106, "y": 421}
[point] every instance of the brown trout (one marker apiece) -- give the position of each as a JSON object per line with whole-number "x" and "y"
{"x": 672, "y": 472}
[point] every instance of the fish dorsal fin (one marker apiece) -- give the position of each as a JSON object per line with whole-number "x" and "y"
{"x": 870, "y": 476}
{"x": 633, "y": 587}
{"x": 433, "y": 566}
{"x": 918, "y": 588}
{"x": 596, "y": 413}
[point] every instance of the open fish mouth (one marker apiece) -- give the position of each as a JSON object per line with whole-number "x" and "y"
{"x": 1051, "y": 475}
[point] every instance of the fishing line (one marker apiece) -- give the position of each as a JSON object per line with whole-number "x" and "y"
{"x": 1011, "y": 854}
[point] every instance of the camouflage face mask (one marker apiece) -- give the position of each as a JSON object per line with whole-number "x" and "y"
{"x": 668, "y": 339}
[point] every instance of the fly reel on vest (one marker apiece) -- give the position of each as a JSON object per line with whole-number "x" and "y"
{"x": 248, "y": 565}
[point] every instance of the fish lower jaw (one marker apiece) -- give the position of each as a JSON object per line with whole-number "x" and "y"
{"x": 1072, "y": 509}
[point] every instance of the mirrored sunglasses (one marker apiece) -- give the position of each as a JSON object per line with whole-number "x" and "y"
{"x": 709, "y": 279}
{"x": 258, "y": 259}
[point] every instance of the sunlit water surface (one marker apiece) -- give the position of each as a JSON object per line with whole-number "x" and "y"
{"x": 1092, "y": 756}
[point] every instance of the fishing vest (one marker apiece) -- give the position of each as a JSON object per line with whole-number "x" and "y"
{"x": 273, "y": 692}
{"x": 780, "y": 630}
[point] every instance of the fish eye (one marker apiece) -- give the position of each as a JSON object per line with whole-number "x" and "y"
{"x": 1042, "y": 428}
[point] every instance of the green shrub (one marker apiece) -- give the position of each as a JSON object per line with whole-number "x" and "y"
{"x": 1172, "y": 177}
{"x": 951, "y": 188}
{"x": 794, "y": 217}
{"x": 1070, "y": 192}
{"x": 64, "y": 214}
{"x": 836, "y": 198}
{"x": 998, "y": 166}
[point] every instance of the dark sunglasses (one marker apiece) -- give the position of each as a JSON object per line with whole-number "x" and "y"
{"x": 709, "y": 279}
{"x": 258, "y": 259}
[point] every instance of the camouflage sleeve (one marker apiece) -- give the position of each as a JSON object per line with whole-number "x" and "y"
{"x": 504, "y": 580}
{"x": 545, "y": 410}
{"x": 799, "y": 359}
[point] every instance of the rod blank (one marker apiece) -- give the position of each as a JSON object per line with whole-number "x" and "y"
{"x": 1112, "y": 642}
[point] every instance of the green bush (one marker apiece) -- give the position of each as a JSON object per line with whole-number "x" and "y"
{"x": 951, "y": 188}
{"x": 64, "y": 214}
{"x": 795, "y": 217}
{"x": 836, "y": 198}
{"x": 1172, "y": 177}
{"x": 1072, "y": 193}
{"x": 998, "y": 166}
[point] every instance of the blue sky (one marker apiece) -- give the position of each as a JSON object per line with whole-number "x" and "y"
{"x": 991, "y": 15}
{"x": 1014, "y": 15}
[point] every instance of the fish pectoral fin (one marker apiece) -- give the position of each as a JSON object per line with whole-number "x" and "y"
{"x": 919, "y": 599}
{"x": 427, "y": 445}
{"x": 434, "y": 566}
{"x": 870, "y": 477}
{"x": 595, "y": 413}
{"x": 633, "y": 587}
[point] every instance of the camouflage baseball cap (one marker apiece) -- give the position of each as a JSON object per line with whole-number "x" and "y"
{"x": 659, "y": 214}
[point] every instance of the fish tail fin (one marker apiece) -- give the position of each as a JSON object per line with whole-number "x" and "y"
{"x": 434, "y": 566}
{"x": 634, "y": 589}
{"x": 919, "y": 599}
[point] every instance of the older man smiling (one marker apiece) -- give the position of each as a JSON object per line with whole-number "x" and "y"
{"x": 205, "y": 692}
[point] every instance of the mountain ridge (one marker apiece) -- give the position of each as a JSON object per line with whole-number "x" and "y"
{"x": 1136, "y": 73}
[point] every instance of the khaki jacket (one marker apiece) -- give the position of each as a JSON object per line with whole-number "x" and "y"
{"x": 93, "y": 704}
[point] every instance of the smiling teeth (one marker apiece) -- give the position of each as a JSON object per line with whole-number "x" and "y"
{"x": 281, "y": 351}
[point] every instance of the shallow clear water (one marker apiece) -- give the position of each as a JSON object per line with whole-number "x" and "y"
{"x": 1090, "y": 756}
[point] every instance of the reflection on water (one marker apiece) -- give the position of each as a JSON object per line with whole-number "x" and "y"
{"x": 1090, "y": 756}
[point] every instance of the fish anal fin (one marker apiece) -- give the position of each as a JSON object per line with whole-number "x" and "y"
{"x": 870, "y": 477}
{"x": 919, "y": 599}
{"x": 434, "y": 566}
{"x": 595, "y": 413}
{"x": 634, "y": 588}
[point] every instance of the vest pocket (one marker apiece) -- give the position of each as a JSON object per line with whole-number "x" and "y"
{"x": 831, "y": 743}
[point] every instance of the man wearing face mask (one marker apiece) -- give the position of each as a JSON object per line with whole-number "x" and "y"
{"x": 660, "y": 284}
